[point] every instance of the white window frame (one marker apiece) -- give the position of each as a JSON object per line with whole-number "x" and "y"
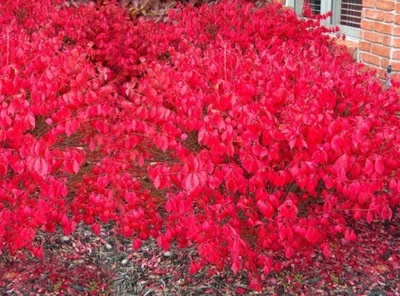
{"x": 326, "y": 6}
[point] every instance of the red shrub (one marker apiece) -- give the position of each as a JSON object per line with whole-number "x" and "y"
{"x": 243, "y": 131}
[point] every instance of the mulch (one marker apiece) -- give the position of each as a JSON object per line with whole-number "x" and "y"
{"x": 85, "y": 264}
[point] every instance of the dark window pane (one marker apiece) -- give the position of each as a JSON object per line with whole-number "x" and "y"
{"x": 350, "y": 13}
{"x": 315, "y": 6}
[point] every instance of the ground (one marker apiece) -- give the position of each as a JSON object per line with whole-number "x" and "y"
{"x": 84, "y": 264}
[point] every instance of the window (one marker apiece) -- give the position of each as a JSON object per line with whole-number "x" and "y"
{"x": 315, "y": 6}
{"x": 348, "y": 17}
{"x": 345, "y": 13}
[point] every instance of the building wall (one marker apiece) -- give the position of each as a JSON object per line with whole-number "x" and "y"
{"x": 380, "y": 34}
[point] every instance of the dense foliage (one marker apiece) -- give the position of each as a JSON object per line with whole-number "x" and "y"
{"x": 243, "y": 132}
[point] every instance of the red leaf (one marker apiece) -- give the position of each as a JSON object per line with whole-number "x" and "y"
{"x": 240, "y": 290}
{"x": 336, "y": 142}
{"x": 342, "y": 162}
{"x": 141, "y": 160}
{"x": 192, "y": 181}
{"x": 235, "y": 266}
{"x": 164, "y": 143}
{"x": 379, "y": 166}
{"x": 312, "y": 235}
{"x": 75, "y": 166}
{"x": 195, "y": 180}
{"x": 386, "y": 213}
{"x": 96, "y": 228}
{"x": 201, "y": 136}
{"x": 31, "y": 119}
{"x": 69, "y": 128}
{"x": 325, "y": 250}
{"x": 290, "y": 64}
{"x": 266, "y": 209}
{"x": 184, "y": 137}
{"x": 194, "y": 267}
{"x": 136, "y": 244}
{"x": 327, "y": 206}
{"x": 40, "y": 166}
{"x": 38, "y": 252}
{"x": 255, "y": 284}
{"x": 288, "y": 209}
{"x": 68, "y": 225}
{"x": 248, "y": 163}
{"x": 393, "y": 186}
{"x": 320, "y": 156}
{"x": 161, "y": 142}
{"x": 363, "y": 197}
{"x": 214, "y": 181}
{"x": 157, "y": 182}
{"x": 277, "y": 179}
{"x": 92, "y": 146}
{"x": 289, "y": 252}
{"x": 369, "y": 167}
{"x": 350, "y": 235}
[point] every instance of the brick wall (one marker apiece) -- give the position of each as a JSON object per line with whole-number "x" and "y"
{"x": 380, "y": 35}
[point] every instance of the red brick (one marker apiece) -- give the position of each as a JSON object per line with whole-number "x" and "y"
{"x": 365, "y": 46}
{"x": 367, "y": 25}
{"x": 397, "y": 19}
{"x": 368, "y": 3}
{"x": 385, "y": 5}
{"x": 397, "y": 7}
{"x": 396, "y": 55}
{"x": 383, "y": 28}
{"x": 372, "y": 36}
{"x": 374, "y": 14}
{"x": 388, "y": 17}
{"x": 370, "y": 59}
{"x": 396, "y": 31}
{"x": 387, "y": 40}
{"x": 395, "y": 66}
{"x": 396, "y": 42}
{"x": 381, "y": 73}
{"x": 380, "y": 50}
{"x": 385, "y": 63}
